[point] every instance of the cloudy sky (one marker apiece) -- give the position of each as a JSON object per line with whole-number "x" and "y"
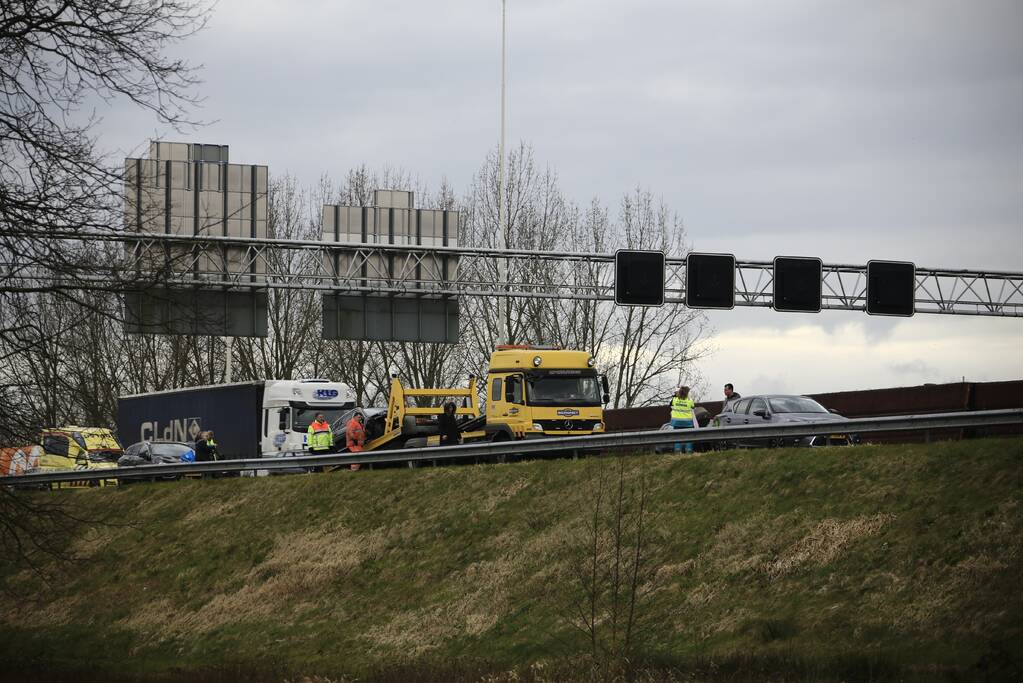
{"x": 849, "y": 131}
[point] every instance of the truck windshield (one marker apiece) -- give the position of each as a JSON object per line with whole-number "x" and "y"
{"x": 561, "y": 390}
{"x": 301, "y": 418}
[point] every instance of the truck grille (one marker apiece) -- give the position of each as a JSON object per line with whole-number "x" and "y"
{"x": 568, "y": 425}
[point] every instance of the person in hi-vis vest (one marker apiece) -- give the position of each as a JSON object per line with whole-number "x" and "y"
{"x": 682, "y": 416}
{"x": 319, "y": 436}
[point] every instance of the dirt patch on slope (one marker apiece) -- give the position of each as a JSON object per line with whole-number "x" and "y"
{"x": 826, "y": 541}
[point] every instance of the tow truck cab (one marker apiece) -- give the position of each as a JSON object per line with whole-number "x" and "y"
{"x": 538, "y": 391}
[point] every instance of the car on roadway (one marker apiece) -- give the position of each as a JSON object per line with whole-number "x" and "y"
{"x": 784, "y": 409}
{"x": 156, "y": 453}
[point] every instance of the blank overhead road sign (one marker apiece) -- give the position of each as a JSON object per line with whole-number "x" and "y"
{"x": 192, "y": 190}
{"x": 639, "y": 278}
{"x": 390, "y": 318}
{"x": 891, "y": 288}
{"x": 192, "y": 311}
{"x": 798, "y": 284}
{"x": 710, "y": 281}
{"x": 370, "y": 310}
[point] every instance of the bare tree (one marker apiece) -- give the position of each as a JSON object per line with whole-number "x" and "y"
{"x": 643, "y": 350}
{"x": 653, "y": 348}
{"x": 293, "y": 315}
{"x": 612, "y": 569}
{"x": 536, "y": 213}
{"x": 57, "y": 58}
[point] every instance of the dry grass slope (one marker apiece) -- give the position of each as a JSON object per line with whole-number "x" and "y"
{"x": 908, "y": 555}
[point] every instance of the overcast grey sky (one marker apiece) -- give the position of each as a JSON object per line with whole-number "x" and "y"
{"x": 849, "y": 131}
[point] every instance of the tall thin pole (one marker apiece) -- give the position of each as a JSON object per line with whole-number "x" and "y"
{"x": 228, "y": 365}
{"x": 502, "y": 265}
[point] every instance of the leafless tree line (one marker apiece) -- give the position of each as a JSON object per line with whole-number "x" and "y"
{"x": 59, "y": 345}
{"x": 644, "y": 351}
{"x": 67, "y": 361}
{"x": 64, "y": 354}
{"x": 57, "y": 59}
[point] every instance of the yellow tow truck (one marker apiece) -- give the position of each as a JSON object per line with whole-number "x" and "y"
{"x": 533, "y": 392}
{"x": 539, "y": 391}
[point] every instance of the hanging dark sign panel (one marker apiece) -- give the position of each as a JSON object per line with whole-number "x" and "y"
{"x": 710, "y": 281}
{"x": 202, "y": 312}
{"x": 891, "y": 288}
{"x": 639, "y": 278}
{"x": 390, "y": 318}
{"x": 798, "y": 282}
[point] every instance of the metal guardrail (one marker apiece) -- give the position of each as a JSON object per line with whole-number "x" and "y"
{"x": 600, "y": 442}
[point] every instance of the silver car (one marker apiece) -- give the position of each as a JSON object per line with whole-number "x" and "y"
{"x": 784, "y": 409}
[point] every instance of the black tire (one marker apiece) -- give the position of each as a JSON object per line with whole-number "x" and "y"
{"x": 498, "y": 437}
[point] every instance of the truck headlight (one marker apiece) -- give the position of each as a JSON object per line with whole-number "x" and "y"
{"x": 599, "y": 427}
{"x": 536, "y": 361}
{"x": 537, "y": 427}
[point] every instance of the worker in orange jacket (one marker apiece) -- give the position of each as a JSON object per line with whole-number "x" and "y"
{"x": 355, "y": 435}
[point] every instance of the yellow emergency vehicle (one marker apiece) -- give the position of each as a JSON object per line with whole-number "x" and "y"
{"x": 79, "y": 448}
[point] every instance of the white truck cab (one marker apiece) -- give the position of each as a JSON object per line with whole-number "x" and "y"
{"x": 290, "y": 406}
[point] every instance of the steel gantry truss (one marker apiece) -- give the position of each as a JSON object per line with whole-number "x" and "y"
{"x": 346, "y": 267}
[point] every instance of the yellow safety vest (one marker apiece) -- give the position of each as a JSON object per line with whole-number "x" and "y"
{"x": 319, "y": 436}
{"x": 682, "y": 408}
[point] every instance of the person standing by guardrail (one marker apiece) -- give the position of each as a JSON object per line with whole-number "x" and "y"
{"x": 205, "y": 447}
{"x": 319, "y": 437}
{"x": 682, "y": 416}
{"x": 731, "y": 395}
{"x": 206, "y": 450}
{"x": 449, "y": 435}
{"x": 355, "y": 435}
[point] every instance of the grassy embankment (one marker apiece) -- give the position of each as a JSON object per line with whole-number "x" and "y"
{"x": 902, "y": 560}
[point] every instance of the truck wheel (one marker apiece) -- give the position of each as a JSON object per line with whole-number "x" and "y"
{"x": 499, "y": 437}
